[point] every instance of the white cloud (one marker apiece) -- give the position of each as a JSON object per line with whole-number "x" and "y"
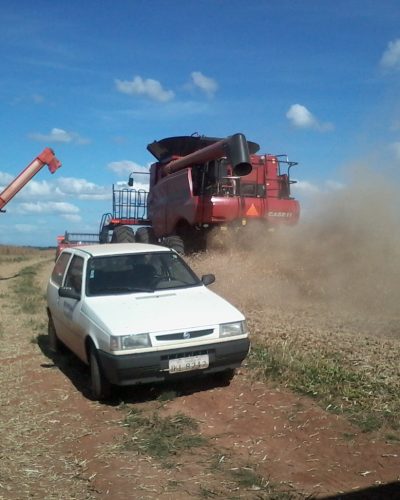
{"x": 47, "y": 208}
{"x": 301, "y": 117}
{"x": 38, "y": 189}
{"x": 391, "y": 57}
{"x": 33, "y": 189}
{"x": 206, "y": 84}
{"x": 59, "y": 135}
{"x": 5, "y": 179}
{"x": 82, "y": 189}
{"x": 124, "y": 167}
{"x": 147, "y": 87}
{"x": 59, "y": 188}
{"x": 72, "y": 217}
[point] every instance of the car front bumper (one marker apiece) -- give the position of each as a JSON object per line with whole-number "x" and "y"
{"x": 130, "y": 369}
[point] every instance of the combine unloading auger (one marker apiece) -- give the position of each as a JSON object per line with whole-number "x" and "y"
{"x": 46, "y": 157}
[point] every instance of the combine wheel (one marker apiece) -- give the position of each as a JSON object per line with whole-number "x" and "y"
{"x": 101, "y": 387}
{"x": 145, "y": 235}
{"x": 175, "y": 242}
{"x": 123, "y": 234}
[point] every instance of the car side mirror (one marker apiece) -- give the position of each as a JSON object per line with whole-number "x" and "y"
{"x": 69, "y": 293}
{"x": 207, "y": 279}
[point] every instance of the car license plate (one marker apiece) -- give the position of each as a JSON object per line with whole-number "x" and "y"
{"x": 190, "y": 363}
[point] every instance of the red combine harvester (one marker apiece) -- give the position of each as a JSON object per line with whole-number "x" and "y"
{"x": 199, "y": 184}
{"x": 75, "y": 239}
{"x": 46, "y": 157}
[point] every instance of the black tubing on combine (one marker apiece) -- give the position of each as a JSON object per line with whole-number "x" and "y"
{"x": 123, "y": 234}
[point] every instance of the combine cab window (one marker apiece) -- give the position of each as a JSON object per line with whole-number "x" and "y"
{"x": 252, "y": 190}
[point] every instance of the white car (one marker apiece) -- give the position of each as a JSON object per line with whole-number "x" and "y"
{"x": 137, "y": 313}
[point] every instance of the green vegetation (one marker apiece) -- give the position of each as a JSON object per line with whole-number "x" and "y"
{"x": 166, "y": 438}
{"x": 30, "y": 299}
{"x": 367, "y": 401}
{"x": 161, "y": 437}
{"x": 248, "y": 479}
{"x": 167, "y": 396}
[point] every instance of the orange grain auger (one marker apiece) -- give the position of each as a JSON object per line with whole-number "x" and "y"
{"x": 46, "y": 157}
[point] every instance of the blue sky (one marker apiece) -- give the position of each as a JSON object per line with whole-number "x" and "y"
{"x": 97, "y": 81}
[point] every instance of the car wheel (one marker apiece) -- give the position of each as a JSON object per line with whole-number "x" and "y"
{"x": 100, "y": 386}
{"x": 224, "y": 378}
{"x": 54, "y": 343}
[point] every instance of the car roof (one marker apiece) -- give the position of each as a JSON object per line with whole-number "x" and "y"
{"x": 116, "y": 249}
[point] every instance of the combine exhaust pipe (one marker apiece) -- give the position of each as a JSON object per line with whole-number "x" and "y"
{"x": 235, "y": 148}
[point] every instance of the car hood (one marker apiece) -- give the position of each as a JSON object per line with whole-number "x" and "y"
{"x": 196, "y": 307}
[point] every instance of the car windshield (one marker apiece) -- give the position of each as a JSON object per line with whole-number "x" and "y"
{"x": 132, "y": 273}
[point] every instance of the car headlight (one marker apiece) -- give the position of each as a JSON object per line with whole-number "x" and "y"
{"x": 232, "y": 329}
{"x": 125, "y": 342}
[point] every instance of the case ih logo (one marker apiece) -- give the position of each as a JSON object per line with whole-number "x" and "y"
{"x": 280, "y": 214}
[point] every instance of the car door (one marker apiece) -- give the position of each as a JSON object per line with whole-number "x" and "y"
{"x": 55, "y": 282}
{"x": 73, "y": 332}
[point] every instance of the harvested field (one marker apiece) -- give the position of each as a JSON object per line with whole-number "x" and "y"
{"x": 313, "y": 413}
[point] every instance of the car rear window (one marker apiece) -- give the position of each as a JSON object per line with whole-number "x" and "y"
{"x": 59, "y": 268}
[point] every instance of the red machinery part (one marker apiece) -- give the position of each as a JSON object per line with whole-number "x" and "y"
{"x": 46, "y": 157}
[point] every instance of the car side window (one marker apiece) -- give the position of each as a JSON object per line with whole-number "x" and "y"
{"x": 74, "y": 274}
{"x": 59, "y": 268}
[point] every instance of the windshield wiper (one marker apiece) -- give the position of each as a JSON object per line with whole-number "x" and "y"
{"x": 123, "y": 289}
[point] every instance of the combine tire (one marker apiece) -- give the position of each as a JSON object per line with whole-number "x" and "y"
{"x": 100, "y": 386}
{"x": 123, "y": 234}
{"x": 176, "y": 243}
{"x": 145, "y": 235}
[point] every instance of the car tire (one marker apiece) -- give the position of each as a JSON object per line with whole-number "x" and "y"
{"x": 100, "y": 386}
{"x": 176, "y": 243}
{"x": 54, "y": 343}
{"x": 123, "y": 234}
{"x": 225, "y": 378}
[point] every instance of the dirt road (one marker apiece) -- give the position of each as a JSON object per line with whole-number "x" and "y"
{"x": 258, "y": 440}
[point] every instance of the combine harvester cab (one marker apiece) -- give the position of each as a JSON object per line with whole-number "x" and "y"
{"x": 200, "y": 184}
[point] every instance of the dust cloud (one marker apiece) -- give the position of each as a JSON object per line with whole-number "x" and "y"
{"x": 345, "y": 254}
